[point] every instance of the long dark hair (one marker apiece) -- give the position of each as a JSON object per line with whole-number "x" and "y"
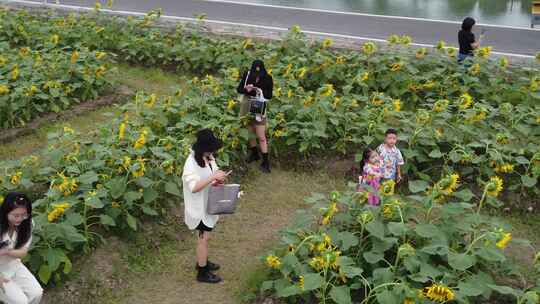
{"x": 262, "y": 74}
{"x": 467, "y": 24}
{"x": 199, "y": 156}
{"x": 206, "y": 142}
{"x": 12, "y": 201}
{"x": 365, "y": 157}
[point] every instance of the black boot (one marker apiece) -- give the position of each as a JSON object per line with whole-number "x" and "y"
{"x": 253, "y": 155}
{"x": 265, "y": 165}
{"x": 204, "y": 275}
{"x": 211, "y": 266}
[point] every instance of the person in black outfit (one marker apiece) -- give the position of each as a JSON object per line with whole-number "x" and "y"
{"x": 467, "y": 41}
{"x": 253, "y": 81}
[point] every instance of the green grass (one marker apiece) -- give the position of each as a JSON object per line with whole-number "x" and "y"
{"x": 153, "y": 80}
{"x": 88, "y": 282}
{"x": 34, "y": 142}
{"x": 252, "y": 283}
{"x": 135, "y": 78}
{"x": 525, "y": 226}
{"x": 156, "y": 264}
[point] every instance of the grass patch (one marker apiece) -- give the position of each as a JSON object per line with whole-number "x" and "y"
{"x": 525, "y": 226}
{"x": 158, "y": 264}
{"x": 32, "y": 143}
{"x": 135, "y": 78}
{"x": 250, "y": 289}
{"x": 153, "y": 80}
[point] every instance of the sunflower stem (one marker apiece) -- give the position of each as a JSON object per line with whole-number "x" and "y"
{"x": 474, "y": 242}
{"x": 302, "y": 243}
{"x": 380, "y": 286}
{"x": 481, "y": 203}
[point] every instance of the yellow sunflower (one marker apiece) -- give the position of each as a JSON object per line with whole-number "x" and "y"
{"x": 273, "y": 261}
{"x": 369, "y": 48}
{"x": 503, "y": 242}
{"x": 387, "y": 187}
{"x": 439, "y": 293}
{"x": 494, "y": 186}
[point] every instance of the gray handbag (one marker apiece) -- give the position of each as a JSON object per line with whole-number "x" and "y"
{"x": 222, "y": 199}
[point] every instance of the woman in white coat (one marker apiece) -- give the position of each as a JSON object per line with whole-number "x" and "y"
{"x": 200, "y": 172}
{"x": 18, "y": 284}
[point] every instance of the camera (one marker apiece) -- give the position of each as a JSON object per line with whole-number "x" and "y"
{"x": 4, "y": 244}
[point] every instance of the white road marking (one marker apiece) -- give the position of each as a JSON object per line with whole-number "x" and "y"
{"x": 274, "y": 28}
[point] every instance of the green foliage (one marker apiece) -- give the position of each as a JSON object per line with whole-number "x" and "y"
{"x": 473, "y": 123}
{"x": 409, "y": 250}
{"x": 45, "y": 77}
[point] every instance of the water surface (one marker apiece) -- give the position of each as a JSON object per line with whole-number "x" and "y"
{"x": 499, "y": 12}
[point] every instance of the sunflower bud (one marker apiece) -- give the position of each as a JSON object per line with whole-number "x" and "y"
{"x": 365, "y": 217}
{"x": 406, "y": 250}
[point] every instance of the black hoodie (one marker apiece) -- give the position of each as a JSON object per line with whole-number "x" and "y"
{"x": 260, "y": 79}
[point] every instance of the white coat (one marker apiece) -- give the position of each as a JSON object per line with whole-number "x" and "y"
{"x": 195, "y": 203}
{"x": 22, "y": 288}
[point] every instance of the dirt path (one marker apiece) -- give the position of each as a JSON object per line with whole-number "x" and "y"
{"x": 159, "y": 267}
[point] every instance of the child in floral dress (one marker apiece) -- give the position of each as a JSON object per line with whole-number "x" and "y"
{"x": 371, "y": 175}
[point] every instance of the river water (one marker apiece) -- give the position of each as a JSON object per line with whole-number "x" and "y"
{"x": 499, "y": 12}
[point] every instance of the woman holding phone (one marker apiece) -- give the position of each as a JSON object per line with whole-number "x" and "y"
{"x": 256, "y": 81}
{"x": 200, "y": 173}
{"x": 17, "y": 283}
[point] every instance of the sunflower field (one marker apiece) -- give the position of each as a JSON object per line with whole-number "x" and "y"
{"x": 409, "y": 250}
{"x": 470, "y": 135}
{"x": 46, "y": 77}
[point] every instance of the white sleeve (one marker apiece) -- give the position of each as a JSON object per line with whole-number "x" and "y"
{"x": 190, "y": 178}
{"x": 28, "y": 243}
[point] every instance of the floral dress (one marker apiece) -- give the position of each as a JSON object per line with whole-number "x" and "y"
{"x": 371, "y": 176}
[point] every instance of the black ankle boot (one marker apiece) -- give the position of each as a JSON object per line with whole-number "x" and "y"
{"x": 253, "y": 155}
{"x": 211, "y": 266}
{"x": 204, "y": 275}
{"x": 265, "y": 165}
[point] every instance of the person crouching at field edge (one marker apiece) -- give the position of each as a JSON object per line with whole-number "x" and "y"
{"x": 18, "y": 284}
{"x": 253, "y": 81}
{"x": 200, "y": 173}
{"x": 391, "y": 157}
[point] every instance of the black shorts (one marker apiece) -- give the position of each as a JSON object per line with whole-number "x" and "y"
{"x": 202, "y": 227}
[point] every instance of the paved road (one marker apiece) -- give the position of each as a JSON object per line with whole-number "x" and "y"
{"x": 503, "y": 39}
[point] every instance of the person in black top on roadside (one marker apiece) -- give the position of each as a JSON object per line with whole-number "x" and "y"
{"x": 253, "y": 81}
{"x": 467, "y": 41}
